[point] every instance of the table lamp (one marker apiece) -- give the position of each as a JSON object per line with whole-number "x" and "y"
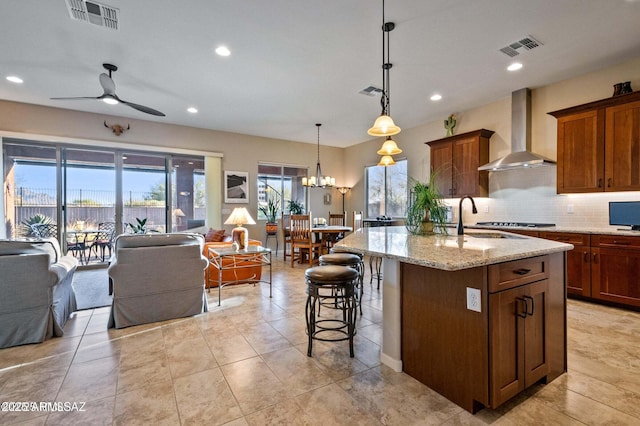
{"x": 240, "y": 216}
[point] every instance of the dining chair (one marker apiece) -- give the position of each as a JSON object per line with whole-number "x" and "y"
{"x": 286, "y": 234}
{"x": 303, "y": 238}
{"x": 336, "y": 219}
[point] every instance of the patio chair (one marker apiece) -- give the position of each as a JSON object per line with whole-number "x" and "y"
{"x": 104, "y": 239}
{"x": 45, "y": 230}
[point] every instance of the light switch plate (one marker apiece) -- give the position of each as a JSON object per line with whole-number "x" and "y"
{"x": 474, "y": 299}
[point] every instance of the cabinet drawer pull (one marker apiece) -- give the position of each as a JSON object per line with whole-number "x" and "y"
{"x": 600, "y": 183}
{"x": 522, "y": 271}
{"x": 523, "y": 313}
{"x": 595, "y": 257}
{"x": 586, "y": 257}
{"x": 621, "y": 243}
{"x": 609, "y": 182}
{"x": 528, "y": 299}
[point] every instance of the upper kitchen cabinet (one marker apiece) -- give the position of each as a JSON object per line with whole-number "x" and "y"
{"x": 456, "y": 160}
{"x": 599, "y": 146}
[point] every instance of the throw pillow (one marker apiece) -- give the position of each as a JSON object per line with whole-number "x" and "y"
{"x": 214, "y": 235}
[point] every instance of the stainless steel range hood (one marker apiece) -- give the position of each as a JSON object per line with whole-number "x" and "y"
{"x": 521, "y": 156}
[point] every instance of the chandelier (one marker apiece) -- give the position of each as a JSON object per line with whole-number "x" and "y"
{"x": 318, "y": 180}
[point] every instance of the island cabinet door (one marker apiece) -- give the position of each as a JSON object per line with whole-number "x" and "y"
{"x": 517, "y": 322}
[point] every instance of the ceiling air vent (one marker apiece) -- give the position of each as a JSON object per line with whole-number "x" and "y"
{"x": 94, "y": 13}
{"x": 370, "y": 91}
{"x": 526, "y": 43}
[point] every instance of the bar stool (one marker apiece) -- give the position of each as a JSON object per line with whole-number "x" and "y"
{"x": 375, "y": 264}
{"x": 325, "y": 283}
{"x": 351, "y": 260}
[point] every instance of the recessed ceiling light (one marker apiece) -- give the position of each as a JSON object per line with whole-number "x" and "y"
{"x": 192, "y": 110}
{"x": 223, "y": 51}
{"x": 436, "y": 97}
{"x": 514, "y": 66}
{"x": 15, "y": 79}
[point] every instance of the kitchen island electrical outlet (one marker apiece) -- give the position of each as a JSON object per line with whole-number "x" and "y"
{"x": 486, "y": 208}
{"x": 570, "y": 208}
{"x": 473, "y": 299}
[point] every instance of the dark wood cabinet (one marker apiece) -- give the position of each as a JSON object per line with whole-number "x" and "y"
{"x": 622, "y": 157}
{"x": 484, "y": 358}
{"x": 456, "y": 160}
{"x": 578, "y": 261}
{"x": 580, "y": 166}
{"x": 518, "y": 322}
{"x": 615, "y": 269}
{"x": 599, "y": 146}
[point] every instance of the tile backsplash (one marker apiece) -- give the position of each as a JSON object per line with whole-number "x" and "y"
{"x": 529, "y": 195}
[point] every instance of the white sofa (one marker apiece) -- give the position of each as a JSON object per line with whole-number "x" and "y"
{"x": 156, "y": 277}
{"x": 36, "y": 296}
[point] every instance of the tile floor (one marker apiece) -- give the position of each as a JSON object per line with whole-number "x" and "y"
{"x": 245, "y": 363}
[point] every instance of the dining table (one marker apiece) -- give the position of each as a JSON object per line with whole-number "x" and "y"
{"x": 328, "y": 233}
{"x": 79, "y": 241}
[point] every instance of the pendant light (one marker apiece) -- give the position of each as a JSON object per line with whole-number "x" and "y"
{"x": 384, "y": 125}
{"x": 389, "y": 147}
{"x": 386, "y": 160}
{"x": 318, "y": 180}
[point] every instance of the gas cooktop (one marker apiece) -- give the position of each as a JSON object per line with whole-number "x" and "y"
{"x": 517, "y": 224}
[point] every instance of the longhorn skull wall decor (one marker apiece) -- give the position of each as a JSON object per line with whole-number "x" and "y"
{"x": 116, "y": 128}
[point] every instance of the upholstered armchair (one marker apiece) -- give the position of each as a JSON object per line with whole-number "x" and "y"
{"x": 156, "y": 277}
{"x": 36, "y": 296}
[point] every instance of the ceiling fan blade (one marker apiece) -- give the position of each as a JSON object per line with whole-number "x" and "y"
{"x": 107, "y": 84}
{"x": 143, "y": 108}
{"x": 76, "y": 98}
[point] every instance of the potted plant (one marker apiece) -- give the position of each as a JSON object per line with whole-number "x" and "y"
{"x": 270, "y": 210}
{"x": 140, "y": 227}
{"x": 427, "y": 212}
{"x": 295, "y": 207}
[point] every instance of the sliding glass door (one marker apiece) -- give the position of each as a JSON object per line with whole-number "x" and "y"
{"x": 74, "y": 193}
{"x": 144, "y": 191}
{"x": 31, "y": 189}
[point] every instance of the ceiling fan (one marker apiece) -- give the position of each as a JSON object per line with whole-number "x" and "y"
{"x": 109, "y": 96}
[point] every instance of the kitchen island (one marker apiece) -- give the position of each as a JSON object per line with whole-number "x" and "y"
{"x": 477, "y": 318}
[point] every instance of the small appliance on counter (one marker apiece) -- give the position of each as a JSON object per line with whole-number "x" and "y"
{"x": 516, "y": 224}
{"x": 625, "y": 213}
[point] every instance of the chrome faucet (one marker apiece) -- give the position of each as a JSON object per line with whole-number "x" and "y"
{"x": 474, "y": 210}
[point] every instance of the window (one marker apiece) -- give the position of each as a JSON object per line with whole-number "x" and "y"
{"x": 386, "y": 190}
{"x": 282, "y": 183}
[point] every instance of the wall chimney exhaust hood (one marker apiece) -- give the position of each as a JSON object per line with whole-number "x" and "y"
{"x": 521, "y": 156}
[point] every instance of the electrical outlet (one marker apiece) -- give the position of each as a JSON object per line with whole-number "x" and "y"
{"x": 486, "y": 208}
{"x": 474, "y": 300}
{"x": 570, "y": 208}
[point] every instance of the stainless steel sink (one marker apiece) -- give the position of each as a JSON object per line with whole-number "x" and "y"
{"x": 493, "y": 235}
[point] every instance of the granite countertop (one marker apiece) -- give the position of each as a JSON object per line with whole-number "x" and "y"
{"x": 605, "y": 230}
{"x": 448, "y": 252}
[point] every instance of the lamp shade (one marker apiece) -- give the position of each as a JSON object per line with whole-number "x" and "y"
{"x": 240, "y": 216}
{"x": 178, "y": 213}
{"x": 384, "y": 126}
{"x": 386, "y": 160}
{"x": 389, "y": 147}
